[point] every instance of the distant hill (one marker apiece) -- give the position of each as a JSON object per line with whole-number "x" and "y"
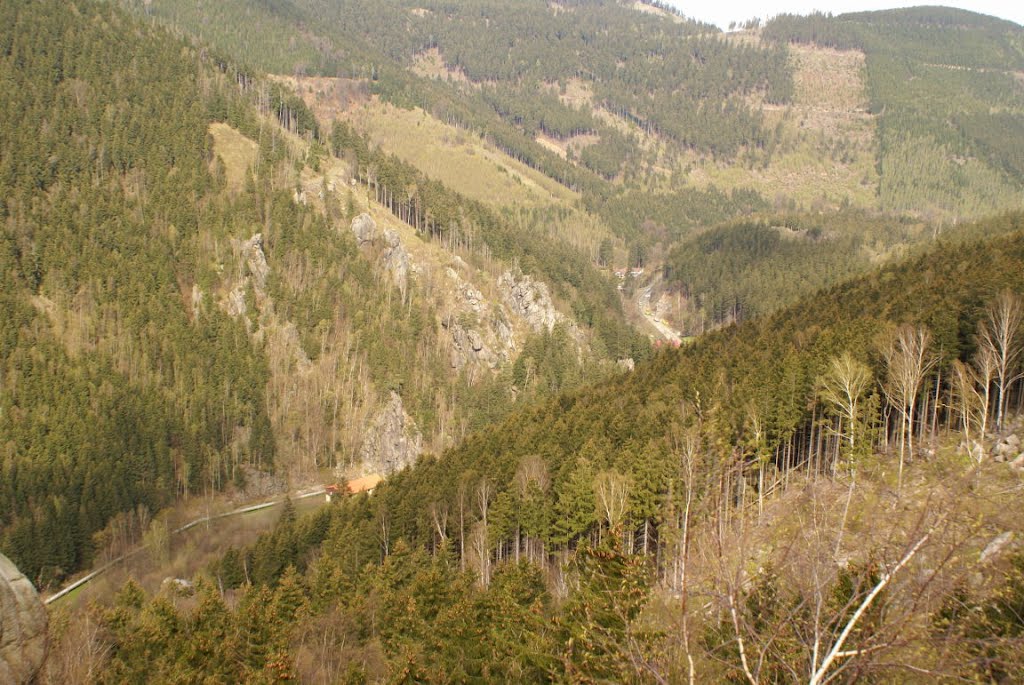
{"x": 663, "y": 127}
{"x": 948, "y": 91}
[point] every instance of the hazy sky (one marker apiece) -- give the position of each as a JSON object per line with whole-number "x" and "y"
{"x": 721, "y": 12}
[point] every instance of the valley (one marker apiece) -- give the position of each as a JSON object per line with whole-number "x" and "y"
{"x": 671, "y": 354}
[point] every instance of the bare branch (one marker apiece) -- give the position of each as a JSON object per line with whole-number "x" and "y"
{"x": 852, "y": 623}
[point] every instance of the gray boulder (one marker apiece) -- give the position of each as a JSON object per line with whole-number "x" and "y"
{"x": 364, "y": 228}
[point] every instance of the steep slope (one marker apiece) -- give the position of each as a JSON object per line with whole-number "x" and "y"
{"x": 188, "y": 306}
{"x": 658, "y": 128}
{"x": 570, "y": 538}
{"x": 114, "y": 394}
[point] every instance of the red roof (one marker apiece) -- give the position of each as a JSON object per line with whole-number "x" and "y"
{"x": 364, "y": 484}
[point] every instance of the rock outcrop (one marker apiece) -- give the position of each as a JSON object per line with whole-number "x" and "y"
{"x": 255, "y": 270}
{"x": 197, "y": 301}
{"x": 249, "y": 298}
{"x": 529, "y": 299}
{"x": 468, "y": 296}
{"x": 23, "y": 638}
{"x": 396, "y": 259}
{"x": 256, "y": 261}
{"x": 479, "y": 334}
{"x": 234, "y": 303}
{"x": 467, "y": 345}
{"x": 393, "y": 440}
{"x": 364, "y": 228}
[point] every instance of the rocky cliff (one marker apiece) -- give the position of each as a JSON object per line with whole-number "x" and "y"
{"x": 529, "y": 299}
{"x": 392, "y": 441}
{"x": 479, "y": 332}
{"x": 22, "y": 626}
{"x": 396, "y": 260}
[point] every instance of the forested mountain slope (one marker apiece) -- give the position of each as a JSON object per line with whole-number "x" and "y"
{"x": 854, "y": 137}
{"x": 746, "y": 269}
{"x": 187, "y": 304}
{"x": 754, "y": 386}
{"x": 559, "y": 544}
{"x": 946, "y": 87}
{"x": 113, "y": 396}
{"x": 596, "y": 90}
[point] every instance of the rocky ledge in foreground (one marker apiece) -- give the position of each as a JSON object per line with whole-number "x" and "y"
{"x": 22, "y": 626}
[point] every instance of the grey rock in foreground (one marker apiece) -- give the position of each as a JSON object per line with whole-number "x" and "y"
{"x": 23, "y": 621}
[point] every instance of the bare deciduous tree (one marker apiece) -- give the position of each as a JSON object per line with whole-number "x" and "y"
{"x": 998, "y": 335}
{"x": 985, "y": 365}
{"x": 688, "y": 452}
{"x": 908, "y": 359}
{"x": 532, "y": 470}
{"x": 611, "y": 490}
{"x": 842, "y": 388}
{"x": 480, "y": 552}
{"x": 968, "y": 399}
{"x": 439, "y": 516}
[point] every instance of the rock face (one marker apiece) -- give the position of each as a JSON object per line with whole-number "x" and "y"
{"x": 22, "y": 626}
{"x": 197, "y": 301}
{"x": 396, "y": 259}
{"x": 256, "y": 261}
{"x": 528, "y": 299}
{"x": 479, "y": 334}
{"x": 364, "y": 228}
{"x": 392, "y": 442}
{"x": 234, "y": 303}
{"x": 467, "y": 346}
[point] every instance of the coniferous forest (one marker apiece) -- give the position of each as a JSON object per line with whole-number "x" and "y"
{"x": 677, "y": 365}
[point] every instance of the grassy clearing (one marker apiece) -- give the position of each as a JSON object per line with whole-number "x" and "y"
{"x": 236, "y": 152}
{"x": 456, "y": 157}
{"x": 431, "y": 64}
{"x": 561, "y": 147}
{"x": 803, "y": 175}
{"x": 830, "y": 80}
{"x": 657, "y": 11}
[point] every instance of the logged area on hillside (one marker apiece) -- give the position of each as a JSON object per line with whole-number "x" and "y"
{"x": 509, "y": 341}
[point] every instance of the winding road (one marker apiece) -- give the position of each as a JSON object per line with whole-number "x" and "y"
{"x": 301, "y": 494}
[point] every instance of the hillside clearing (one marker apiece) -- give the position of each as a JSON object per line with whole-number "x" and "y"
{"x": 456, "y": 157}
{"x": 236, "y": 151}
